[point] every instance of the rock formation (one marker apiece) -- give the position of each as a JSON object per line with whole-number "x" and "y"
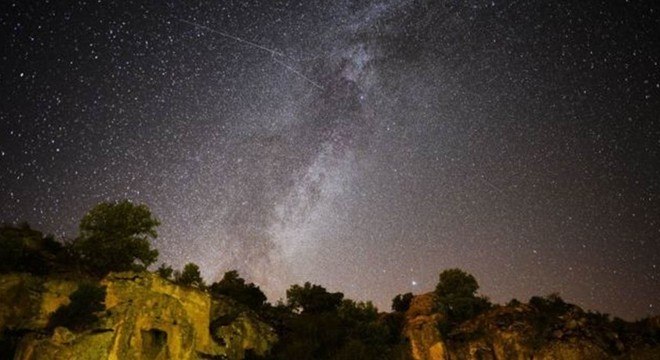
{"x": 512, "y": 332}
{"x": 146, "y": 317}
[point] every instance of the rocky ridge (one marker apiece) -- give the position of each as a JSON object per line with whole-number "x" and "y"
{"x": 146, "y": 317}
{"x": 519, "y": 331}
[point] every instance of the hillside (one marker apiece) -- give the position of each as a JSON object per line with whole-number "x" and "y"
{"x": 147, "y": 317}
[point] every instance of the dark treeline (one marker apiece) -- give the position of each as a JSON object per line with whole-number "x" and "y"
{"x": 311, "y": 323}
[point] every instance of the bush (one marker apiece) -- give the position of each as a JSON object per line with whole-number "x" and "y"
{"x": 79, "y": 314}
{"x": 190, "y": 276}
{"x": 164, "y": 271}
{"x": 401, "y": 302}
{"x": 27, "y": 250}
{"x": 235, "y": 287}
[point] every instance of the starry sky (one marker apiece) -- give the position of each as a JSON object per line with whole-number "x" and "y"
{"x": 364, "y": 146}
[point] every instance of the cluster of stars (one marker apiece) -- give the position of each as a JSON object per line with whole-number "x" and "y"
{"x": 361, "y": 146}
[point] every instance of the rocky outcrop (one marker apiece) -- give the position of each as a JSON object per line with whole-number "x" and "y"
{"x": 146, "y": 317}
{"x": 239, "y": 330}
{"x": 421, "y": 329}
{"x": 27, "y": 301}
{"x": 512, "y": 332}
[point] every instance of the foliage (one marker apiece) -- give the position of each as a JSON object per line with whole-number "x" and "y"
{"x": 456, "y": 283}
{"x": 190, "y": 276}
{"x": 457, "y": 298}
{"x": 401, "y": 302}
{"x": 356, "y": 312}
{"x": 165, "y": 271}
{"x": 312, "y": 299}
{"x": 79, "y": 314}
{"x": 27, "y": 250}
{"x": 317, "y": 324}
{"x": 513, "y": 303}
{"x": 115, "y": 236}
{"x": 546, "y": 317}
{"x": 550, "y": 304}
{"x": 235, "y": 287}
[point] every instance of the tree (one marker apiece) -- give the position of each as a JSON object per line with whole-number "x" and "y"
{"x": 312, "y": 299}
{"x": 457, "y": 297}
{"x": 456, "y": 283}
{"x": 25, "y": 249}
{"x": 190, "y": 276}
{"x": 235, "y": 287}
{"x": 115, "y": 236}
{"x": 165, "y": 271}
{"x": 81, "y": 311}
{"x": 401, "y": 302}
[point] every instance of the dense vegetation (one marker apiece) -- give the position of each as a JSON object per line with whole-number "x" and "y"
{"x": 312, "y": 322}
{"x": 81, "y": 311}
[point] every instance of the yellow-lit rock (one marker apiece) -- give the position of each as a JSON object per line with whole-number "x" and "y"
{"x": 421, "y": 329}
{"x": 27, "y": 301}
{"x": 146, "y": 317}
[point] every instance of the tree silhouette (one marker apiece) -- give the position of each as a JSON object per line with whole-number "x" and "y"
{"x": 79, "y": 314}
{"x": 401, "y": 302}
{"x": 165, "y": 271}
{"x": 25, "y": 249}
{"x": 457, "y": 297}
{"x": 190, "y": 276}
{"x": 312, "y": 298}
{"x": 234, "y": 286}
{"x": 115, "y": 236}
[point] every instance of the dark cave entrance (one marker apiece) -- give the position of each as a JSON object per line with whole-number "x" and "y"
{"x": 154, "y": 344}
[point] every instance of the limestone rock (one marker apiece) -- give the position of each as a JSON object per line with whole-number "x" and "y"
{"x": 146, "y": 317}
{"x": 27, "y": 301}
{"x": 245, "y": 333}
{"x": 571, "y": 350}
{"x": 421, "y": 329}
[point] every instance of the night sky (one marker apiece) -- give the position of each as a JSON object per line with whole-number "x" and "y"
{"x": 363, "y": 146}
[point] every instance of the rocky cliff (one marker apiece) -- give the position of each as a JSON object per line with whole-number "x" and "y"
{"x": 520, "y": 332}
{"x": 146, "y": 317}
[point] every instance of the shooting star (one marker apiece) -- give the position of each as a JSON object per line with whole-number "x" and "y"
{"x": 272, "y": 52}
{"x": 236, "y": 38}
{"x": 485, "y": 181}
{"x": 298, "y": 73}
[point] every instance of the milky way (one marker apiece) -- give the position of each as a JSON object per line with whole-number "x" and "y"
{"x": 364, "y": 146}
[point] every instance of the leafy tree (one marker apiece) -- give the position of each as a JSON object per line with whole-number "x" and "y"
{"x": 457, "y": 297}
{"x": 312, "y": 298}
{"x": 456, "y": 283}
{"x": 235, "y": 287}
{"x": 357, "y": 312}
{"x": 551, "y": 304}
{"x": 26, "y": 249}
{"x": 190, "y": 276}
{"x": 165, "y": 271}
{"x": 330, "y": 327}
{"x": 401, "y": 302}
{"x": 115, "y": 236}
{"x": 79, "y": 314}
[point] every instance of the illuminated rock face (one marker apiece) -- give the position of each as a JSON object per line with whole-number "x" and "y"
{"x": 146, "y": 317}
{"x": 507, "y": 333}
{"x": 26, "y": 301}
{"x": 422, "y": 330}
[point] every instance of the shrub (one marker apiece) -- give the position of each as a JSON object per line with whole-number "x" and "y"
{"x": 79, "y": 314}
{"x": 235, "y": 287}
{"x": 401, "y": 302}
{"x": 190, "y": 276}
